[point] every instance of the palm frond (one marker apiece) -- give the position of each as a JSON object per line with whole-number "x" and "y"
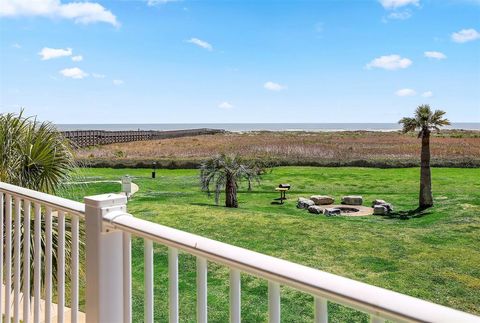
{"x": 408, "y": 124}
{"x": 424, "y": 120}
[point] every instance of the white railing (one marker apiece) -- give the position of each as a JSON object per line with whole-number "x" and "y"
{"x": 48, "y": 222}
{"x": 109, "y": 229}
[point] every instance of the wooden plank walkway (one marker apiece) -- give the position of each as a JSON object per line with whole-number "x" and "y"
{"x": 86, "y": 138}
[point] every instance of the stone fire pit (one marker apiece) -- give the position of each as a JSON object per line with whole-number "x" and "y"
{"x": 352, "y": 210}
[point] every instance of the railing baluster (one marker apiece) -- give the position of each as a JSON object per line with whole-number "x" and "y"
{"x": 127, "y": 277}
{"x": 16, "y": 260}
{"x": 61, "y": 266}
{"x": 273, "y": 302}
{"x": 26, "y": 261}
{"x": 48, "y": 265}
{"x": 173, "y": 284}
{"x": 321, "y": 310}
{"x": 8, "y": 256}
{"x": 74, "y": 273}
{"x": 235, "y": 296}
{"x": 37, "y": 262}
{"x": 148, "y": 255}
{"x": 201, "y": 290}
{"x": 1, "y": 251}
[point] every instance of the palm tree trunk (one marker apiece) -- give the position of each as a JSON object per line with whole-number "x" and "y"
{"x": 231, "y": 192}
{"x": 425, "y": 198}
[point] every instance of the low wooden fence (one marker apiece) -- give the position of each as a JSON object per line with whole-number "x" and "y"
{"x": 85, "y": 138}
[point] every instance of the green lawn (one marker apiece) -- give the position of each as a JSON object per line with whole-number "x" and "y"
{"x": 434, "y": 257}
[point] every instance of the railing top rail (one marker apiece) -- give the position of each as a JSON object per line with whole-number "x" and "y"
{"x": 58, "y": 203}
{"x": 371, "y": 299}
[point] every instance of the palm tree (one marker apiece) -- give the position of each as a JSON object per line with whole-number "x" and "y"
{"x": 425, "y": 121}
{"x": 33, "y": 154}
{"x": 225, "y": 172}
{"x": 36, "y": 156}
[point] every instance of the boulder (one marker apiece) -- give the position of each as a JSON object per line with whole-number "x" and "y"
{"x": 388, "y": 206}
{"x": 377, "y": 202}
{"x": 383, "y": 203}
{"x": 304, "y": 203}
{"x": 322, "y": 199}
{"x": 380, "y": 210}
{"x": 332, "y": 212}
{"x": 352, "y": 200}
{"x": 315, "y": 209}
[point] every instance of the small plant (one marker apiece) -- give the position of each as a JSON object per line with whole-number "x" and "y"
{"x": 119, "y": 154}
{"x": 224, "y": 172}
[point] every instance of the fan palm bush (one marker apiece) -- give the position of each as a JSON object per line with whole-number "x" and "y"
{"x": 35, "y": 155}
{"x": 425, "y": 121}
{"x": 224, "y": 172}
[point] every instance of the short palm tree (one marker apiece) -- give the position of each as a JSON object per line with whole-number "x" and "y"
{"x": 36, "y": 156}
{"x": 224, "y": 172}
{"x": 424, "y": 122}
{"x": 33, "y": 154}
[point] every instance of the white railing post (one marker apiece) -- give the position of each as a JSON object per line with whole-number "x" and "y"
{"x": 104, "y": 254}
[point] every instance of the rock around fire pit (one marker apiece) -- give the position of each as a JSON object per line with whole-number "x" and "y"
{"x": 351, "y": 206}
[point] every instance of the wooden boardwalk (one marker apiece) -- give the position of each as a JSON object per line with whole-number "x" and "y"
{"x": 85, "y": 138}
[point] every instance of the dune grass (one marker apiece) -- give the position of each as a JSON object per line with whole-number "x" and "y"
{"x": 434, "y": 256}
{"x": 450, "y": 148}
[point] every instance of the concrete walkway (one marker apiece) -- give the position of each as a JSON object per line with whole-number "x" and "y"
{"x": 135, "y": 187}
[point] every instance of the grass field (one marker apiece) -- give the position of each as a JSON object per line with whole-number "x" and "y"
{"x": 435, "y": 256}
{"x": 349, "y": 148}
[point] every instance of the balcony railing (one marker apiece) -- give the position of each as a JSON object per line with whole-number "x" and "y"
{"x": 109, "y": 229}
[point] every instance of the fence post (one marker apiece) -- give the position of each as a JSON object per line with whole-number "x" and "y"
{"x": 104, "y": 257}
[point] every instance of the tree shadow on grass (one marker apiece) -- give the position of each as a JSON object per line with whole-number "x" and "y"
{"x": 410, "y": 214}
{"x": 206, "y": 204}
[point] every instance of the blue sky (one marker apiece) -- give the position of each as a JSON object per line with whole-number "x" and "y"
{"x": 164, "y": 61}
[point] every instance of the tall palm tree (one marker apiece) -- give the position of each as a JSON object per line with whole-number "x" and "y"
{"x": 225, "y": 172}
{"x": 36, "y": 156}
{"x": 424, "y": 122}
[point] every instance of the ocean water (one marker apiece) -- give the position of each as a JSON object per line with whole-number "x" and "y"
{"x": 257, "y": 126}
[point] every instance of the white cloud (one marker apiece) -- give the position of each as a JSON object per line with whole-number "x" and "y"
{"x": 79, "y": 12}
{"x": 397, "y": 9}
{"x": 405, "y": 92}
{"x": 200, "y": 43}
{"x": 77, "y": 58}
{"x": 16, "y": 45}
{"x": 159, "y": 2}
{"x": 49, "y": 53}
{"x": 225, "y": 105}
{"x": 389, "y": 62}
{"x": 118, "y": 82}
{"x": 74, "y": 73}
{"x": 400, "y": 15}
{"x": 272, "y": 86}
{"x": 434, "y": 54}
{"x": 98, "y": 76}
{"x": 465, "y": 35}
{"x": 427, "y": 94}
{"x": 394, "y": 4}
